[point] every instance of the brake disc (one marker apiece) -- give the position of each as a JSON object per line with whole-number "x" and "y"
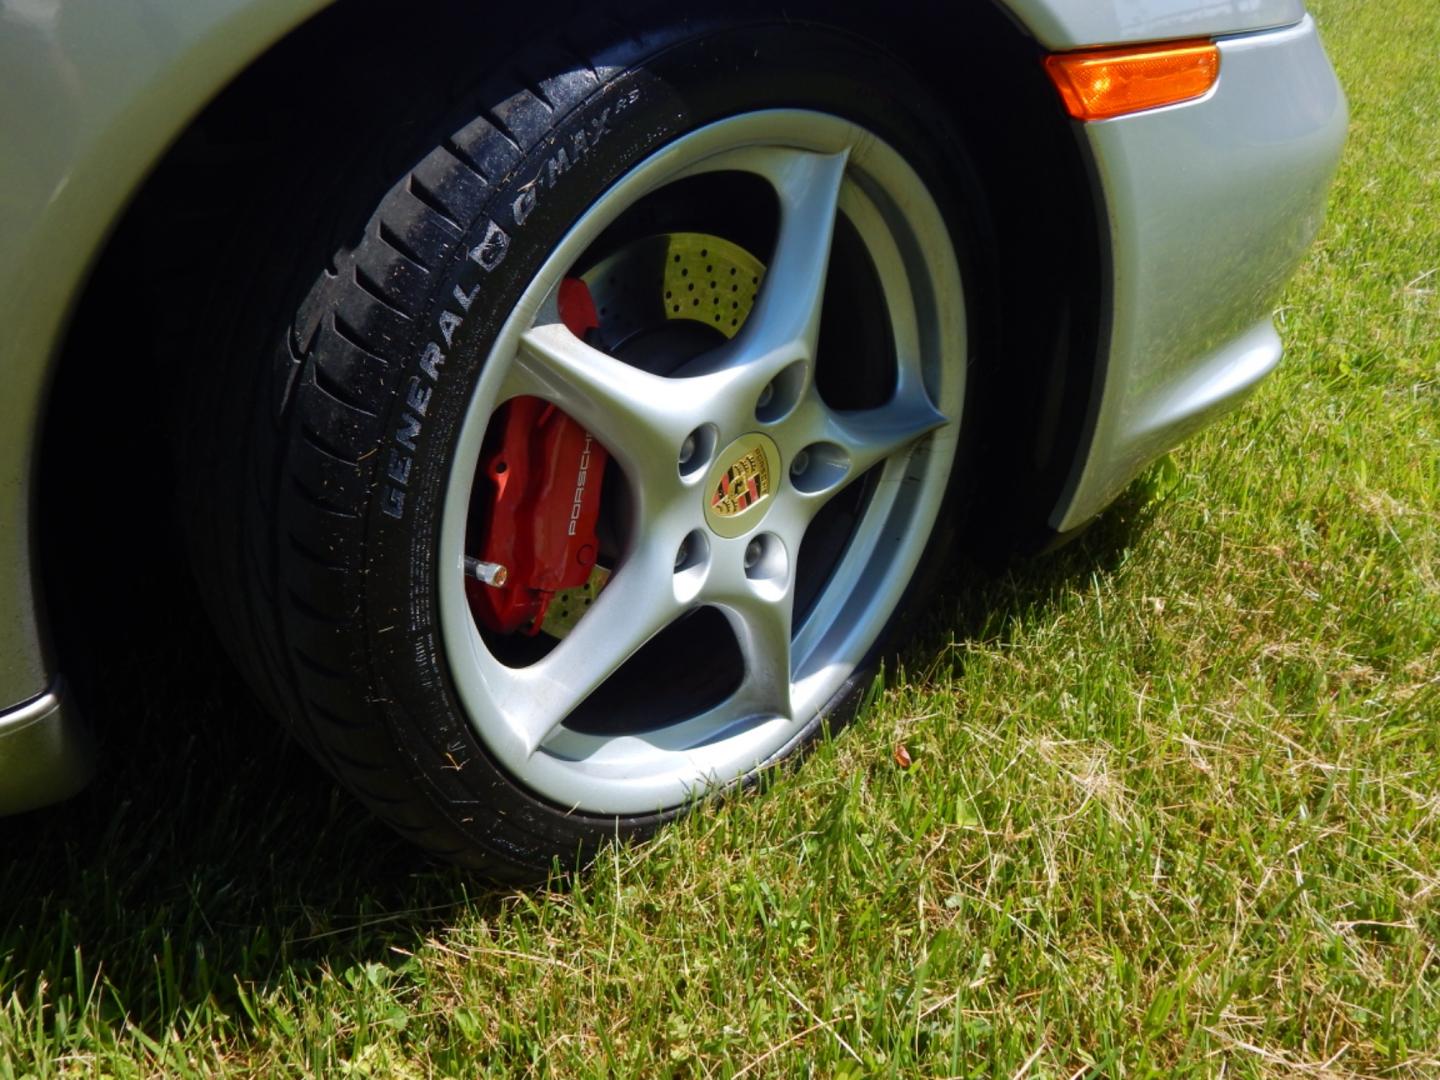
{"x": 694, "y": 276}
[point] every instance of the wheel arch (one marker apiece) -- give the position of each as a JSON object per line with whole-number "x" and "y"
{"x": 1044, "y": 308}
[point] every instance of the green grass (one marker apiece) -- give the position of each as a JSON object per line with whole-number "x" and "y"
{"x": 1174, "y": 806}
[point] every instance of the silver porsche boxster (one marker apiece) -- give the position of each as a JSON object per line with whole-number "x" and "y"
{"x": 564, "y": 409}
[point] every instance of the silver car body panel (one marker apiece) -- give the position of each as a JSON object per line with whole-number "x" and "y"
{"x": 96, "y": 90}
{"x": 1069, "y": 24}
{"x": 1212, "y": 204}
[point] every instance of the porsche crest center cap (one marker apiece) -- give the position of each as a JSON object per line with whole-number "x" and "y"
{"x": 741, "y": 485}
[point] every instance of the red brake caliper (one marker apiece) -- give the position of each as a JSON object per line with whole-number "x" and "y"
{"x": 540, "y": 501}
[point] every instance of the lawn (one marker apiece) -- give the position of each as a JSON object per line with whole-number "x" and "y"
{"x": 1173, "y": 805}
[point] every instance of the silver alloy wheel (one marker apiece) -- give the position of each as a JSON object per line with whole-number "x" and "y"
{"x": 818, "y": 165}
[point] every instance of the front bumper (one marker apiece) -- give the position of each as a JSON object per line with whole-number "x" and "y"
{"x": 1211, "y": 206}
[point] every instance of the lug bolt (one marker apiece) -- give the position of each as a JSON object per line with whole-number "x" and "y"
{"x": 683, "y": 553}
{"x": 800, "y": 463}
{"x": 687, "y": 450}
{"x": 753, "y": 550}
{"x": 766, "y": 396}
{"x": 487, "y": 573}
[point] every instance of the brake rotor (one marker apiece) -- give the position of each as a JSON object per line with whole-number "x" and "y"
{"x": 649, "y": 285}
{"x": 701, "y": 278}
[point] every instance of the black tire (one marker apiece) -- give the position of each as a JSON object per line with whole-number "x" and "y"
{"x": 314, "y": 542}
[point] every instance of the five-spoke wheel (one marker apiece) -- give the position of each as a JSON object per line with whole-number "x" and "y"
{"x": 729, "y": 452}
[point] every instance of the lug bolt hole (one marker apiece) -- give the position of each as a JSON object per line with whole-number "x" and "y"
{"x": 781, "y": 394}
{"x": 692, "y": 559}
{"x": 696, "y": 451}
{"x": 693, "y": 552}
{"x": 818, "y": 467}
{"x": 766, "y": 563}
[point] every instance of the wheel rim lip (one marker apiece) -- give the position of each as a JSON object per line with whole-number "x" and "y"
{"x": 656, "y": 771}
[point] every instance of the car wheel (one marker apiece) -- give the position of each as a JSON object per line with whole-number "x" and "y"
{"x": 607, "y": 462}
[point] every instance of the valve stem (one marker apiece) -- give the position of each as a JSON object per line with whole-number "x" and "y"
{"x": 487, "y": 573}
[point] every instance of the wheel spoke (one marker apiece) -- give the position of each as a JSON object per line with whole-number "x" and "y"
{"x": 762, "y": 628}
{"x": 640, "y": 418}
{"x": 840, "y": 447}
{"x": 787, "y": 311}
{"x": 869, "y": 436}
{"x": 784, "y": 323}
{"x": 637, "y": 604}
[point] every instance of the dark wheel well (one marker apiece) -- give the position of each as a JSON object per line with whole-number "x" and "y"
{"x": 1039, "y": 367}
{"x": 106, "y": 482}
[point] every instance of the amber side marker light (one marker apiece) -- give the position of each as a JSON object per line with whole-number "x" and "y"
{"x": 1102, "y": 83}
